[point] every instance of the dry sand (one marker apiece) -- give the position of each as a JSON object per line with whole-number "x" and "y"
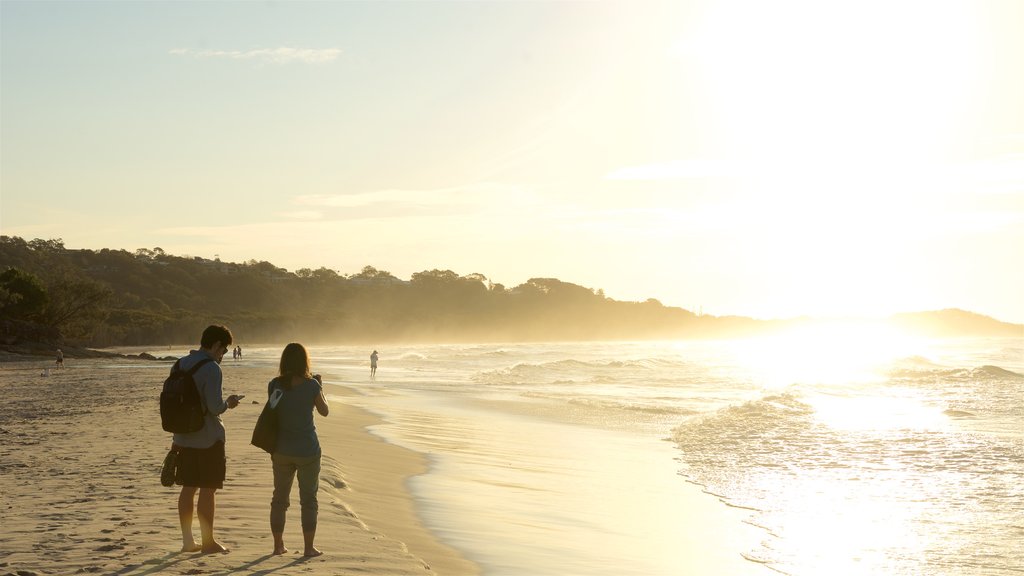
{"x": 80, "y": 493}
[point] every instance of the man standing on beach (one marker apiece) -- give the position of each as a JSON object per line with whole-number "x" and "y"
{"x": 373, "y": 365}
{"x": 201, "y": 462}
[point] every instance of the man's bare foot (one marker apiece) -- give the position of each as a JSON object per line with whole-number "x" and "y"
{"x": 191, "y": 547}
{"x": 280, "y": 550}
{"x": 214, "y": 548}
{"x": 311, "y": 552}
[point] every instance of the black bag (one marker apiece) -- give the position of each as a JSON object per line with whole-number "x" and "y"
{"x": 181, "y": 409}
{"x": 170, "y": 468}
{"x": 264, "y": 434}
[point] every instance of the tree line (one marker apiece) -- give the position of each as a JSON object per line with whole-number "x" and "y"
{"x": 113, "y": 297}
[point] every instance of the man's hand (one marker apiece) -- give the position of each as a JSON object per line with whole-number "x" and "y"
{"x": 233, "y": 400}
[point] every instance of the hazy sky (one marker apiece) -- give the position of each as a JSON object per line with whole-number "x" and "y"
{"x": 747, "y": 157}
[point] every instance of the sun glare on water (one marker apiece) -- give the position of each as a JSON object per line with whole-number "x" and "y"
{"x": 839, "y": 353}
{"x": 842, "y": 360}
{"x": 847, "y": 522}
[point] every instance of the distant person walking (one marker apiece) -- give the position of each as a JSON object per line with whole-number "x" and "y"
{"x": 60, "y": 358}
{"x": 373, "y": 365}
{"x": 201, "y": 461}
{"x": 298, "y": 449}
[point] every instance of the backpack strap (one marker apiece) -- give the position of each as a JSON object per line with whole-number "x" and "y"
{"x": 192, "y": 370}
{"x": 200, "y": 364}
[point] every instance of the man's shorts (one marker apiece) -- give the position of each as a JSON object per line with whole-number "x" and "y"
{"x": 201, "y": 467}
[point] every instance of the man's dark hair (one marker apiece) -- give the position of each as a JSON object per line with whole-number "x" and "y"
{"x": 216, "y": 333}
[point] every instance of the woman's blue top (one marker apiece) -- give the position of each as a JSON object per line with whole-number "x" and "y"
{"x": 296, "y": 434}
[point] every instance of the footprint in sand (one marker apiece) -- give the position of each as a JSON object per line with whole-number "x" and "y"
{"x": 119, "y": 545}
{"x": 109, "y": 548}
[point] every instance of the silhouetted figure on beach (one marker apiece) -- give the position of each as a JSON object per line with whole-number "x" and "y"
{"x": 60, "y": 358}
{"x": 373, "y": 365}
{"x": 201, "y": 461}
{"x": 297, "y": 452}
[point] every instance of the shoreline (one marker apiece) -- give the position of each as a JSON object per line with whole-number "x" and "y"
{"x": 522, "y": 493}
{"x": 80, "y": 456}
{"x": 379, "y": 472}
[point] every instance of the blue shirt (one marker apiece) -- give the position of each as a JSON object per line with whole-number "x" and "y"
{"x": 209, "y": 381}
{"x": 296, "y": 434}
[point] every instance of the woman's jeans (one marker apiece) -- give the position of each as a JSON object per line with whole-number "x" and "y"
{"x": 285, "y": 469}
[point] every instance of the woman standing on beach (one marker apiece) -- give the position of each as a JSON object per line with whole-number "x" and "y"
{"x": 298, "y": 448}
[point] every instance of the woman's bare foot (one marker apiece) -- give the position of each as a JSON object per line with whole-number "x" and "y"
{"x": 278, "y": 550}
{"x": 311, "y": 552}
{"x": 214, "y": 548}
{"x": 191, "y": 547}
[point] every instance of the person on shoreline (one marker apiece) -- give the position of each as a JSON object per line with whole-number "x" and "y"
{"x": 298, "y": 448}
{"x": 373, "y": 365}
{"x": 60, "y": 358}
{"x": 201, "y": 462}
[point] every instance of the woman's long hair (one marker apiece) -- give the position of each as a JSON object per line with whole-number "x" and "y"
{"x": 294, "y": 362}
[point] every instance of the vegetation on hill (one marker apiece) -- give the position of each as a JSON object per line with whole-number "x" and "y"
{"x": 55, "y": 295}
{"x": 116, "y": 297}
{"x": 953, "y": 322}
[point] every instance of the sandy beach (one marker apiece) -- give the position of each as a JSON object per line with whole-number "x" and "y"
{"x": 411, "y": 483}
{"x": 80, "y": 457}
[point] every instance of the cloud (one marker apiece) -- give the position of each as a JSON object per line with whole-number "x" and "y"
{"x": 999, "y": 174}
{"x": 281, "y": 55}
{"x": 404, "y": 202}
{"x": 303, "y": 215}
{"x": 378, "y": 197}
{"x": 676, "y": 170}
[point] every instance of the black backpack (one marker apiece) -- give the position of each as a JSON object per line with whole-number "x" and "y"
{"x": 180, "y": 407}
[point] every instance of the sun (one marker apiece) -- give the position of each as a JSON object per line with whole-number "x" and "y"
{"x": 836, "y": 120}
{"x": 818, "y": 85}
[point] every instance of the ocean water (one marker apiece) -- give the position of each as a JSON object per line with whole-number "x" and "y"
{"x": 844, "y": 450}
